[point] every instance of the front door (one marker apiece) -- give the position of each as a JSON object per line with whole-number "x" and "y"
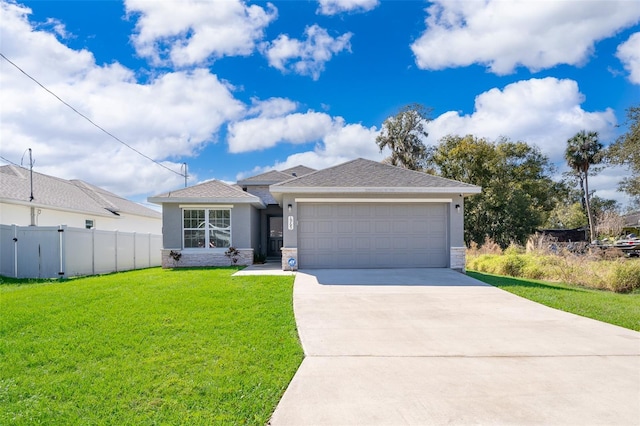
{"x": 274, "y": 236}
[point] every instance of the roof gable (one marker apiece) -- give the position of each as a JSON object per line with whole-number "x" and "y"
{"x": 298, "y": 171}
{"x": 276, "y": 176}
{"x": 267, "y": 178}
{"x": 213, "y": 191}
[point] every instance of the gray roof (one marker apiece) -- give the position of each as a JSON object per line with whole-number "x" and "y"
{"x": 267, "y": 178}
{"x": 298, "y": 171}
{"x": 73, "y": 195}
{"x": 275, "y": 176}
{"x": 632, "y": 219}
{"x": 213, "y": 191}
{"x": 369, "y": 176}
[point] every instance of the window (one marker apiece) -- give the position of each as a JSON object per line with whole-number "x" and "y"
{"x": 207, "y": 228}
{"x": 88, "y": 224}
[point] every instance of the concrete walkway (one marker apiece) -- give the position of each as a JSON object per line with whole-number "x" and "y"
{"x": 267, "y": 268}
{"x": 432, "y": 346}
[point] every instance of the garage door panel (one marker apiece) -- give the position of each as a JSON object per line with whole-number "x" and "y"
{"x": 362, "y": 243}
{"x": 325, "y": 243}
{"x": 344, "y": 210}
{"x": 365, "y": 235}
{"x": 399, "y": 243}
{"x": 402, "y": 227}
{"x": 362, "y": 227}
{"x": 362, "y": 210}
{"x": 345, "y": 243}
{"x": 382, "y": 227}
{"x": 345, "y": 226}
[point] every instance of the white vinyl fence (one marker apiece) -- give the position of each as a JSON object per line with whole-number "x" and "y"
{"x": 51, "y": 252}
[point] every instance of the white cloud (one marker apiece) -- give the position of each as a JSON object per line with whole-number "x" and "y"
{"x": 629, "y": 54}
{"x": 265, "y": 131}
{"x": 505, "y": 34}
{"x": 194, "y": 31}
{"x": 305, "y": 57}
{"x": 333, "y": 7}
{"x": 342, "y": 143}
{"x": 273, "y": 107}
{"x": 173, "y": 115}
{"x": 545, "y": 112}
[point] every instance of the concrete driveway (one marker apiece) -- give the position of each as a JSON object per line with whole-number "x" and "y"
{"x": 433, "y": 346}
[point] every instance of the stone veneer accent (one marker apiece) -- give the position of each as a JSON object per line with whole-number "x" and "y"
{"x": 458, "y": 258}
{"x": 288, "y": 253}
{"x": 205, "y": 258}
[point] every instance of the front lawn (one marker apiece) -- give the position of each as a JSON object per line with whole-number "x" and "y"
{"x": 618, "y": 309}
{"x": 154, "y": 346}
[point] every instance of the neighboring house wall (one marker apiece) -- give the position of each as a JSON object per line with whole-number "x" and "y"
{"x": 16, "y": 214}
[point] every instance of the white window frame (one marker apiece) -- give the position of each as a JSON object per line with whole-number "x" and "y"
{"x": 206, "y": 225}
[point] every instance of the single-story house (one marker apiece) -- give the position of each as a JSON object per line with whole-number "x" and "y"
{"x": 631, "y": 223}
{"x": 359, "y": 214}
{"x": 73, "y": 203}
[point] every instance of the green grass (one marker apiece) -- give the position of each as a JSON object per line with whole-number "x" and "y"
{"x": 613, "y": 308}
{"x": 188, "y": 346}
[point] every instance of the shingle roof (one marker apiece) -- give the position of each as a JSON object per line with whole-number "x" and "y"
{"x": 275, "y": 176}
{"x": 267, "y": 178}
{"x": 76, "y": 195}
{"x": 213, "y": 191}
{"x": 632, "y": 219}
{"x": 298, "y": 171}
{"x": 361, "y": 173}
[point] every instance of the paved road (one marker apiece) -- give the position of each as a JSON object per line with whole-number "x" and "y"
{"x": 432, "y": 346}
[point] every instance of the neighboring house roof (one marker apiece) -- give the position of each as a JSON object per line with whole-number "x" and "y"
{"x": 61, "y": 194}
{"x": 362, "y": 175}
{"x": 632, "y": 219}
{"x": 213, "y": 191}
{"x": 275, "y": 176}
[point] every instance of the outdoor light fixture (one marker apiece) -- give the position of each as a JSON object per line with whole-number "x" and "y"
{"x": 289, "y": 207}
{"x": 458, "y": 208}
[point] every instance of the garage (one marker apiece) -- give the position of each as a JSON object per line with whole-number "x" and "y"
{"x": 373, "y": 235}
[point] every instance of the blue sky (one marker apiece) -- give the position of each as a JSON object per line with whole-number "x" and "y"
{"x": 235, "y": 88}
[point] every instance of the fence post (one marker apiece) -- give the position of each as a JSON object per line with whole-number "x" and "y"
{"x": 60, "y": 237}
{"x": 149, "y": 249}
{"x": 15, "y": 251}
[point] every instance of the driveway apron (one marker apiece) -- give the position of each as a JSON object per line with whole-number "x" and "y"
{"x": 433, "y": 346}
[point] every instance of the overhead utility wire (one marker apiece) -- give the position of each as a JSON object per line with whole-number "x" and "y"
{"x": 88, "y": 119}
{"x": 10, "y": 162}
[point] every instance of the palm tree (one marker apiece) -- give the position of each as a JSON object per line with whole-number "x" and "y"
{"x": 583, "y": 151}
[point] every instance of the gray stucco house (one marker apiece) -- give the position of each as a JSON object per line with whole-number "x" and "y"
{"x": 359, "y": 214}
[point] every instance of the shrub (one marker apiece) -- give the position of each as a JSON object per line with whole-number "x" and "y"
{"x": 619, "y": 275}
{"x": 512, "y": 265}
{"x": 624, "y": 276}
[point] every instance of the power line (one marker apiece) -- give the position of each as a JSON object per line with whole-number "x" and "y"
{"x": 88, "y": 119}
{"x": 10, "y": 162}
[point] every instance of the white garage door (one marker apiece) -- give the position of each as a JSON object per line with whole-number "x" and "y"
{"x": 365, "y": 235}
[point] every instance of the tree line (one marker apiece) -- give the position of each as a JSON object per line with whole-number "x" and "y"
{"x": 518, "y": 195}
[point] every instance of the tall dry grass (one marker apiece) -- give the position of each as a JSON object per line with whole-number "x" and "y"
{"x": 549, "y": 261}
